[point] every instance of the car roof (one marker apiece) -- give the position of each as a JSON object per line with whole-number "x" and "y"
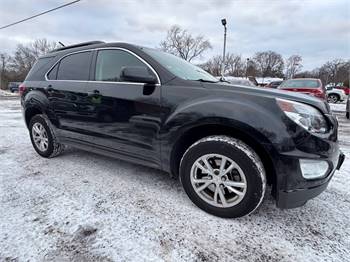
{"x": 88, "y": 46}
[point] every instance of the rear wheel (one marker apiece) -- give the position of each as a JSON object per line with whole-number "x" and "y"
{"x": 333, "y": 98}
{"x": 43, "y": 137}
{"x": 223, "y": 176}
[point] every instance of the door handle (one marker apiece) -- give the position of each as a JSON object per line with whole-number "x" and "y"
{"x": 93, "y": 93}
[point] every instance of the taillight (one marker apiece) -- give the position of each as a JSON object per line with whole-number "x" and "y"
{"x": 21, "y": 89}
{"x": 319, "y": 93}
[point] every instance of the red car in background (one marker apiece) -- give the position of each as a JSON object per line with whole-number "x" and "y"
{"x": 344, "y": 88}
{"x": 309, "y": 86}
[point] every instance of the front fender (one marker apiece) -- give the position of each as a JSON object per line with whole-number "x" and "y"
{"x": 262, "y": 119}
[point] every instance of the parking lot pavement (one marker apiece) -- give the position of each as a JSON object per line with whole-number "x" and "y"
{"x": 85, "y": 207}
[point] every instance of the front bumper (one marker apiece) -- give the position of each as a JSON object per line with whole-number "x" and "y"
{"x": 297, "y": 197}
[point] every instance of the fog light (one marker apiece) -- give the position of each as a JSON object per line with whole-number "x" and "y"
{"x": 312, "y": 169}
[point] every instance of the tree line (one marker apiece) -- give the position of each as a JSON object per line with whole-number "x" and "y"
{"x": 14, "y": 67}
{"x": 262, "y": 64}
{"x": 180, "y": 42}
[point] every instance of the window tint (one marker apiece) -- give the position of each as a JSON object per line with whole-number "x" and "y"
{"x": 74, "y": 67}
{"x": 52, "y": 75}
{"x": 38, "y": 70}
{"x": 109, "y": 63}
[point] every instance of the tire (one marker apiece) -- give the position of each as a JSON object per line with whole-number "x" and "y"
{"x": 53, "y": 147}
{"x": 333, "y": 98}
{"x": 248, "y": 172}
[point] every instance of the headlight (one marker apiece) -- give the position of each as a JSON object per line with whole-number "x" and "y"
{"x": 304, "y": 115}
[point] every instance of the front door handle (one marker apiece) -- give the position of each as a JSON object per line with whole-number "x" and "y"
{"x": 93, "y": 93}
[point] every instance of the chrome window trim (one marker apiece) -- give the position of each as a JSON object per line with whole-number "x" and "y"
{"x": 107, "y": 82}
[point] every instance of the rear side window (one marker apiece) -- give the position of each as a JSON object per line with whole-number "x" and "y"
{"x": 109, "y": 64}
{"x": 38, "y": 70}
{"x": 52, "y": 75}
{"x": 74, "y": 67}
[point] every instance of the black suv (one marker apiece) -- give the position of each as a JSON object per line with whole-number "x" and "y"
{"x": 227, "y": 143}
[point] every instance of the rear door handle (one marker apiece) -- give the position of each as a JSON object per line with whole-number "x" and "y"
{"x": 93, "y": 93}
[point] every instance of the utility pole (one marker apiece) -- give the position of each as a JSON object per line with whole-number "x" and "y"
{"x": 223, "y": 22}
{"x": 246, "y": 69}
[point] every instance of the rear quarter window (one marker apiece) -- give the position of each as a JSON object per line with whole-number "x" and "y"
{"x": 39, "y": 69}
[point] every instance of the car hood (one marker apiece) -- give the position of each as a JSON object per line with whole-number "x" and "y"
{"x": 271, "y": 93}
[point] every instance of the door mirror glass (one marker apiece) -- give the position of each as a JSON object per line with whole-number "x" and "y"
{"x": 138, "y": 74}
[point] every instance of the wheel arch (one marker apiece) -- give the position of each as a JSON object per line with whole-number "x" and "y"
{"x": 190, "y": 136}
{"x": 30, "y": 112}
{"x": 335, "y": 94}
{"x": 35, "y": 102}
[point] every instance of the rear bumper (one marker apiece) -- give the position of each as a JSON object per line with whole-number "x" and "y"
{"x": 298, "y": 197}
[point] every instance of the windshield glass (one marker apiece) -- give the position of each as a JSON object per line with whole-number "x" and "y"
{"x": 300, "y": 83}
{"x": 180, "y": 67}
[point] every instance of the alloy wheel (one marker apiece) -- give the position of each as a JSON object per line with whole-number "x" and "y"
{"x": 218, "y": 180}
{"x": 40, "y": 137}
{"x": 332, "y": 99}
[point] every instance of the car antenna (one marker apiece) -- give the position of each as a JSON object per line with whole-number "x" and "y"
{"x": 61, "y": 43}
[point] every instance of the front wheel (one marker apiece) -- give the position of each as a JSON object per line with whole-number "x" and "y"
{"x": 223, "y": 176}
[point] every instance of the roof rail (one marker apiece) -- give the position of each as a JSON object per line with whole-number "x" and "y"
{"x": 77, "y": 45}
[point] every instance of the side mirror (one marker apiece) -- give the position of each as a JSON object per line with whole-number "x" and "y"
{"x": 138, "y": 74}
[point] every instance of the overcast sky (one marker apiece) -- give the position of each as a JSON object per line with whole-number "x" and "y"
{"x": 318, "y": 30}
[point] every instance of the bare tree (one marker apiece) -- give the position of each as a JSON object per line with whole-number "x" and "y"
{"x": 213, "y": 65}
{"x": 293, "y": 65}
{"x": 336, "y": 71}
{"x": 181, "y": 43}
{"x": 3, "y": 68}
{"x": 269, "y": 63}
{"x": 234, "y": 65}
{"x": 26, "y": 55}
{"x": 42, "y": 46}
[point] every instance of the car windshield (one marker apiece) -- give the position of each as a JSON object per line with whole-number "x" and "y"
{"x": 300, "y": 83}
{"x": 180, "y": 67}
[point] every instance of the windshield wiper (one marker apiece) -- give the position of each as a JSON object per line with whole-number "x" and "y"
{"x": 224, "y": 80}
{"x": 205, "y": 80}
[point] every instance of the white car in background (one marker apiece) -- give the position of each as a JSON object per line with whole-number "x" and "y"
{"x": 335, "y": 95}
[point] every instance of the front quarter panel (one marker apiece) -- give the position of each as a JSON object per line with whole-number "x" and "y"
{"x": 185, "y": 108}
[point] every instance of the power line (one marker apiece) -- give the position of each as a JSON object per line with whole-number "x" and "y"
{"x": 48, "y": 11}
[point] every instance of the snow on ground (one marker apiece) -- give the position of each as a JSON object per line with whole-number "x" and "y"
{"x": 7, "y": 93}
{"x": 85, "y": 207}
{"x": 338, "y": 107}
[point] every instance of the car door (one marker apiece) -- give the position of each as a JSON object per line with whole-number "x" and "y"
{"x": 123, "y": 116}
{"x": 66, "y": 89}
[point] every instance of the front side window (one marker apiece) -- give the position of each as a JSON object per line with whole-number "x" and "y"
{"x": 109, "y": 64}
{"x": 74, "y": 67}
